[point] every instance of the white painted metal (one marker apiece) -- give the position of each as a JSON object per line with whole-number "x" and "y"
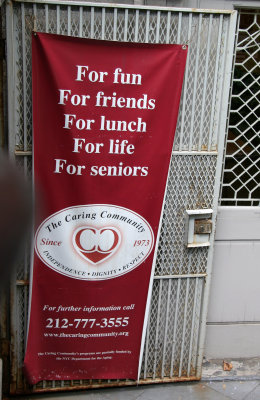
{"x": 233, "y": 307}
{"x": 194, "y": 316}
{"x": 222, "y": 125}
{"x": 176, "y": 325}
{"x": 241, "y": 173}
{"x": 180, "y": 276}
{"x": 238, "y": 223}
{"x": 128, "y": 6}
{"x": 205, "y": 211}
{"x": 195, "y": 82}
{"x": 205, "y": 80}
{"x": 233, "y": 318}
{"x": 235, "y": 295}
{"x": 166, "y": 327}
{"x": 157, "y": 327}
{"x": 185, "y": 88}
{"x": 215, "y": 80}
{"x": 147, "y": 26}
{"x": 241, "y": 341}
{"x": 184, "y": 325}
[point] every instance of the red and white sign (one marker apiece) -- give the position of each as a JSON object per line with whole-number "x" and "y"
{"x": 94, "y": 242}
{"x": 104, "y": 120}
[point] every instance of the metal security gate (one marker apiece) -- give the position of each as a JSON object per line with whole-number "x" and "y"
{"x": 176, "y": 329}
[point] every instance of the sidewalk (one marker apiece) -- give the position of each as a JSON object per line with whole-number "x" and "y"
{"x": 217, "y": 390}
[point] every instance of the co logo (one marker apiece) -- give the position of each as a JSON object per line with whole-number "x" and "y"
{"x": 96, "y": 245}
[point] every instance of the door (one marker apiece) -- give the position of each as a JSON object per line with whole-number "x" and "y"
{"x": 176, "y": 328}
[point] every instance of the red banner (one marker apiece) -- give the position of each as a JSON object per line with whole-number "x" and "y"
{"x": 104, "y": 120}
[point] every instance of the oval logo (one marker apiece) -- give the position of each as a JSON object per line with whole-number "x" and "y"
{"x": 94, "y": 242}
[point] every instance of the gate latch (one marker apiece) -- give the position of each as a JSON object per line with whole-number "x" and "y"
{"x": 202, "y": 226}
{"x": 198, "y": 227}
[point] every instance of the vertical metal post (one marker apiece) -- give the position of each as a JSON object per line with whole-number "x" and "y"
{"x": 46, "y": 18}
{"x": 115, "y": 24}
{"x": 158, "y": 27}
{"x": 58, "y": 19}
{"x": 212, "y": 127}
{"x": 157, "y": 328}
{"x": 166, "y": 324}
{"x": 80, "y": 21}
{"x": 175, "y": 326}
{"x": 103, "y": 22}
{"x": 185, "y": 317}
{"x": 205, "y": 82}
{"x": 185, "y": 87}
{"x": 92, "y": 22}
{"x": 221, "y": 79}
{"x": 69, "y": 20}
{"x": 136, "y": 24}
{"x": 168, "y": 27}
{"x": 222, "y": 129}
{"x": 192, "y": 325}
{"x": 24, "y": 80}
{"x": 10, "y": 43}
{"x": 195, "y": 84}
{"x": 126, "y": 25}
{"x": 146, "y": 346}
{"x": 147, "y": 27}
{"x": 179, "y": 28}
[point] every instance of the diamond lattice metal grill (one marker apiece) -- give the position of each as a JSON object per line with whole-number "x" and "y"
{"x": 242, "y": 162}
{"x": 187, "y": 189}
{"x": 173, "y": 346}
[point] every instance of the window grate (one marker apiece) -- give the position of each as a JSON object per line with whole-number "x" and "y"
{"x": 241, "y": 169}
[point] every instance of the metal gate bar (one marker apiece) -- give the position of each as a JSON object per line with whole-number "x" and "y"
{"x": 176, "y": 329}
{"x": 100, "y": 24}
